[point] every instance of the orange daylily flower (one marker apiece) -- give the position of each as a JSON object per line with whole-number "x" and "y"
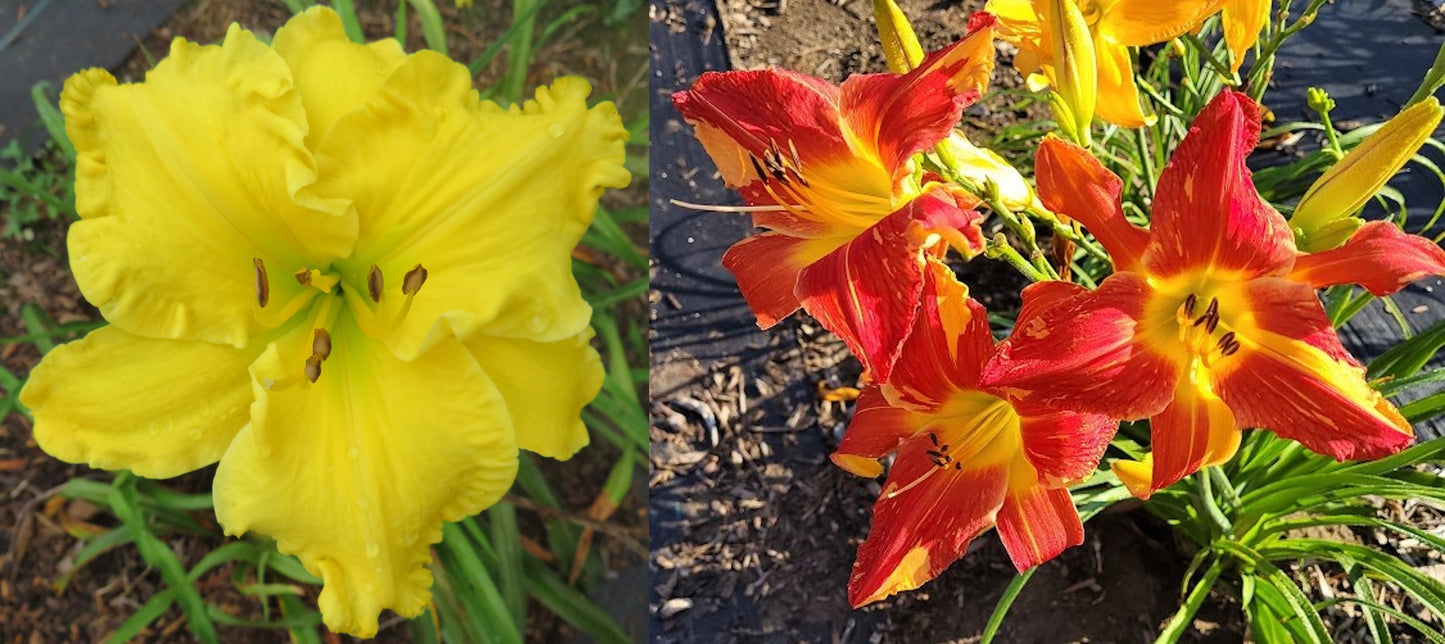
{"x": 828, "y": 171}
{"x": 1211, "y": 324}
{"x": 970, "y": 457}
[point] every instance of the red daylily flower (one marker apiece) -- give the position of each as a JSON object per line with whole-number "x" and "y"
{"x": 1211, "y": 323}
{"x": 827, "y": 171}
{"x": 969, "y": 457}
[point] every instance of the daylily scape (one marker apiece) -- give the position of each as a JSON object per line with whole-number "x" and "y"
{"x": 332, "y": 269}
{"x": 1178, "y": 312}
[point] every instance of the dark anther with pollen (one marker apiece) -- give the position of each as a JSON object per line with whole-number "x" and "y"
{"x": 774, "y": 161}
{"x": 1226, "y": 340}
{"x": 933, "y": 437}
{"x": 958, "y": 466}
{"x": 263, "y": 286}
{"x": 303, "y": 277}
{"x": 313, "y": 368}
{"x": 374, "y": 283}
{"x": 321, "y": 344}
{"x": 1189, "y": 303}
{"x": 797, "y": 162}
{"x": 935, "y": 455}
{"x": 762, "y": 176}
{"x": 413, "y": 280}
{"x": 1210, "y": 319}
{"x": 1228, "y": 344}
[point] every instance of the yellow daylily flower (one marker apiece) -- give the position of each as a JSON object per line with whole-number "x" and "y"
{"x": 1243, "y": 20}
{"x": 1113, "y": 27}
{"x": 334, "y": 270}
{"x": 1324, "y": 218}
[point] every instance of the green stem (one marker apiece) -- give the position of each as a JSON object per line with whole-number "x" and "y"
{"x": 1210, "y": 507}
{"x": 999, "y": 248}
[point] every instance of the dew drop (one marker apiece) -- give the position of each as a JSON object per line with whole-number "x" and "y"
{"x": 556, "y": 130}
{"x": 362, "y": 503}
{"x": 408, "y": 538}
{"x": 372, "y": 549}
{"x": 353, "y": 452}
{"x": 154, "y": 431}
{"x": 194, "y": 434}
{"x": 537, "y": 324}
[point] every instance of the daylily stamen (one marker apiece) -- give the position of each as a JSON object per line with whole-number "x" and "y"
{"x": 914, "y": 483}
{"x": 313, "y": 368}
{"x": 321, "y": 344}
{"x": 1189, "y": 303}
{"x": 413, "y": 280}
{"x": 374, "y": 283}
{"x": 263, "y": 285}
{"x": 313, "y": 278}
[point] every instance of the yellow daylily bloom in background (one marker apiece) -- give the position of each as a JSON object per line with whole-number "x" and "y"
{"x": 332, "y": 268}
{"x": 1113, "y": 27}
{"x": 1324, "y": 218}
{"x": 1243, "y": 20}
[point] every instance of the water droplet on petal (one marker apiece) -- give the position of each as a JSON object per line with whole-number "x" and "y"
{"x": 194, "y": 434}
{"x": 353, "y": 452}
{"x": 408, "y": 538}
{"x": 556, "y": 130}
{"x": 362, "y": 503}
{"x": 154, "y": 431}
{"x": 372, "y": 549}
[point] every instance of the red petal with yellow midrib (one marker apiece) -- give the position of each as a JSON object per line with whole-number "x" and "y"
{"x": 949, "y": 344}
{"x": 1289, "y": 378}
{"x": 1037, "y": 524}
{"x": 1064, "y": 446}
{"x": 1084, "y": 353}
{"x": 1379, "y": 256}
{"x": 1206, "y": 210}
{"x": 867, "y": 291}
{"x": 919, "y": 532}
{"x": 767, "y": 266}
{"x": 875, "y": 430}
{"x": 741, "y": 113}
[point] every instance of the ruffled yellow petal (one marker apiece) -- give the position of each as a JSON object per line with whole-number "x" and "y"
{"x": 184, "y": 180}
{"x": 333, "y": 74}
{"x": 356, "y": 473}
{"x": 546, "y": 385}
{"x": 159, "y": 408}
{"x": 490, "y": 202}
{"x": 1118, "y": 98}
{"x": 1137, "y": 23}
